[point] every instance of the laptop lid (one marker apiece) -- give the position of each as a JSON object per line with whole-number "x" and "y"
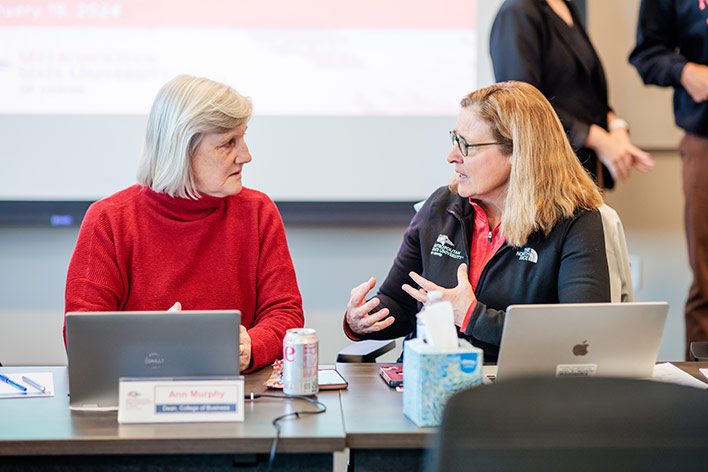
{"x": 104, "y": 346}
{"x": 603, "y": 339}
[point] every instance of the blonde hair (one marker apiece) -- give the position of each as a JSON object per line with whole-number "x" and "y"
{"x": 547, "y": 181}
{"x": 184, "y": 110}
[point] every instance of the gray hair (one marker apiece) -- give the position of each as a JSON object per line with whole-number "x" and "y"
{"x": 184, "y": 110}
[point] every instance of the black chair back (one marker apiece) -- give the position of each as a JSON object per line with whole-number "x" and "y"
{"x": 573, "y": 424}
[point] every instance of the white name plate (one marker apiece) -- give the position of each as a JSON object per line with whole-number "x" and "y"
{"x": 180, "y": 400}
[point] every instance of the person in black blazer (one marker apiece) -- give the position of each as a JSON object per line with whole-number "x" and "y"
{"x": 543, "y": 42}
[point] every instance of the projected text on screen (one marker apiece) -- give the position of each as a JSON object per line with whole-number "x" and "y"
{"x": 313, "y": 57}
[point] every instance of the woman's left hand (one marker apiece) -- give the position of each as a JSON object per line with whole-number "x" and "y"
{"x": 461, "y": 296}
{"x": 244, "y": 348}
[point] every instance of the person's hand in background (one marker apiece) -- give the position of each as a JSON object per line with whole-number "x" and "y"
{"x": 694, "y": 78}
{"x": 617, "y": 152}
{"x": 641, "y": 160}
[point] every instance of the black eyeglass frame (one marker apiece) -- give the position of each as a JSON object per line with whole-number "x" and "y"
{"x": 464, "y": 147}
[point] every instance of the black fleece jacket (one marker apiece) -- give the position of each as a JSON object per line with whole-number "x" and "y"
{"x": 567, "y": 266}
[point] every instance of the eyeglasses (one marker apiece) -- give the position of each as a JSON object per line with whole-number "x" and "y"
{"x": 464, "y": 147}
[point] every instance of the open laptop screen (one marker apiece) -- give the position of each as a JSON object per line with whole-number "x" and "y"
{"x": 104, "y": 346}
{"x": 581, "y": 339}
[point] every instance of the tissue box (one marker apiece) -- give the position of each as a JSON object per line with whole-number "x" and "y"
{"x": 430, "y": 378}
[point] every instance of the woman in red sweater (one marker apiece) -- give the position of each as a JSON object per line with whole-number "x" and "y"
{"x": 189, "y": 235}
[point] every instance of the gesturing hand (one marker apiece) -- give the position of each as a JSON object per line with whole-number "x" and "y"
{"x": 358, "y": 316}
{"x": 461, "y": 296}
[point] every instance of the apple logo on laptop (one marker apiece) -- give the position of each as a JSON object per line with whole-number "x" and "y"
{"x": 581, "y": 349}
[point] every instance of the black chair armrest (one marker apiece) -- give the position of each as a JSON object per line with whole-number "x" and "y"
{"x": 365, "y": 351}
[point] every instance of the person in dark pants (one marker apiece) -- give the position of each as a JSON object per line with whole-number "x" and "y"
{"x": 672, "y": 51}
{"x": 543, "y": 42}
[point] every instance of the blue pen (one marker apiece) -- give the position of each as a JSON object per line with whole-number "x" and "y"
{"x": 9, "y": 381}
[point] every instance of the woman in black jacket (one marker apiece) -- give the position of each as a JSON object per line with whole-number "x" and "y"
{"x": 520, "y": 224}
{"x": 543, "y": 42}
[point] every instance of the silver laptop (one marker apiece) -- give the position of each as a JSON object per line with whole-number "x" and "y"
{"x": 583, "y": 339}
{"x": 103, "y": 346}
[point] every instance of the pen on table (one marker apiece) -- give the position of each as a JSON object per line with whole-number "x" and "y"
{"x": 34, "y": 384}
{"x": 9, "y": 381}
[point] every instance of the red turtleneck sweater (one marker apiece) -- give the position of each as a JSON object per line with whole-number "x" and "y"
{"x": 143, "y": 250}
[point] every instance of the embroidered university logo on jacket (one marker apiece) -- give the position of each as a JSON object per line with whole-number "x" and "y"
{"x": 443, "y": 239}
{"x": 440, "y": 248}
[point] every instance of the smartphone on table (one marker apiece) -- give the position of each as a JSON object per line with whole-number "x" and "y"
{"x": 330, "y": 379}
{"x": 392, "y": 374}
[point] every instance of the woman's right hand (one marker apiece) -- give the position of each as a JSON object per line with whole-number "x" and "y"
{"x": 359, "y": 316}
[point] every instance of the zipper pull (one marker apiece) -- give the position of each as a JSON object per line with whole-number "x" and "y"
{"x": 489, "y": 237}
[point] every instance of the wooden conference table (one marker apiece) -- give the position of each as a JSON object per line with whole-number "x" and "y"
{"x": 367, "y": 418}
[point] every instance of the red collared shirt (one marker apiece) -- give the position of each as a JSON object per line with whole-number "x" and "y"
{"x": 485, "y": 243}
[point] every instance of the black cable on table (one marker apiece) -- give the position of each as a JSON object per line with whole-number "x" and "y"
{"x": 297, "y": 414}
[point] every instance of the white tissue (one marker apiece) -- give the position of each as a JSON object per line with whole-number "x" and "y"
{"x": 440, "y": 326}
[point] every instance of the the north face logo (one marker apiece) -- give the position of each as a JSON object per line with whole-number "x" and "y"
{"x": 443, "y": 239}
{"x": 527, "y": 254}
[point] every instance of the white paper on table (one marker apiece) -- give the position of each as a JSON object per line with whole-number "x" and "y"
{"x": 440, "y": 326}
{"x": 669, "y": 373}
{"x": 45, "y": 379}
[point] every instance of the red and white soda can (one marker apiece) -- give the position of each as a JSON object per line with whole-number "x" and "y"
{"x": 300, "y": 362}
